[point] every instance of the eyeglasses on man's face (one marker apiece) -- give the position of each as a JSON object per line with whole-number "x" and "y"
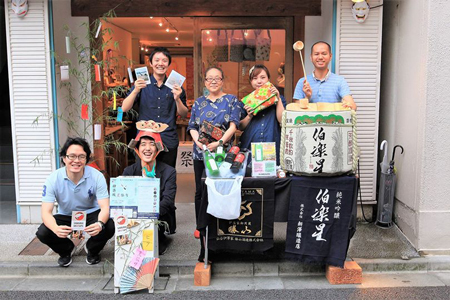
{"x": 74, "y": 157}
{"x": 210, "y": 79}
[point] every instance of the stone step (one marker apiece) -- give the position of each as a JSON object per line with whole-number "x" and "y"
{"x": 227, "y": 269}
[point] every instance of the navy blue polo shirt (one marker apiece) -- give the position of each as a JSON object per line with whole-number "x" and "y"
{"x": 263, "y": 127}
{"x": 158, "y": 104}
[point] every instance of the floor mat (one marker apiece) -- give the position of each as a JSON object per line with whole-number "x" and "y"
{"x": 35, "y": 247}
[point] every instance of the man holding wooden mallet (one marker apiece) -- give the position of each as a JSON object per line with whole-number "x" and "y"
{"x": 323, "y": 85}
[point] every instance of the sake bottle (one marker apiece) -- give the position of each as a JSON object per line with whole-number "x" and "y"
{"x": 229, "y": 158}
{"x": 210, "y": 163}
{"x": 237, "y": 163}
{"x": 231, "y": 155}
{"x": 220, "y": 155}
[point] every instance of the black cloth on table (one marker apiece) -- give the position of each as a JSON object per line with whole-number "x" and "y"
{"x": 322, "y": 218}
{"x": 282, "y": 194}
{"x": 293, "y": 187}
{"x": 253, "y": 230}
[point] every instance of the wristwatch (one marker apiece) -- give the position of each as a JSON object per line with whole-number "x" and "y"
{"x": 102, "y": 225}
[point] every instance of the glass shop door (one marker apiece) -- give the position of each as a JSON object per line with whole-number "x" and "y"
{"x": 237, "y": 44}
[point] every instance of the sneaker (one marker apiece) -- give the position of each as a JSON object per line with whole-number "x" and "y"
{"x": 162, "y": 248}
{"x": 91, "y": 259}
{"x": 65, "y": 261}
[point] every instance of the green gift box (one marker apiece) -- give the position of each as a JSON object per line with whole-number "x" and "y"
{"x": 261, "y": 98}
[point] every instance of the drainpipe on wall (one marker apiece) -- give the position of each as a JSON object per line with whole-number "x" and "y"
{"x": 53, "y": 72}
{"x": 333, "y": 37}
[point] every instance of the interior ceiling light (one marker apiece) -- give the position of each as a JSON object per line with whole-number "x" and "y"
{"x": 160, "y": 24}
{"x": 208, "y": 32}
{"x": 167, "y": 29}
{"x": 151, "y": 17}
{"x": 146, "y": 49}
{"x": 177, "y": 38}
{"x": 210, "y": 39}
{"x": 142, "y": 48}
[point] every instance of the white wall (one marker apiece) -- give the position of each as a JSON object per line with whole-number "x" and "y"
{"x": 415, "y": 106}
{"x": 318, "y": 28}
{"x": 61, "y": 17}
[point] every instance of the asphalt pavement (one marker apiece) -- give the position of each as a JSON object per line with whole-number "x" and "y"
{"x": 388, "y": 260}
{"x": 408, "y": 293}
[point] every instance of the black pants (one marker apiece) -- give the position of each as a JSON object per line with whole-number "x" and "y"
{"x": 169, "y": 158}
{"x": 199, "y": 168}
{"x": 64, "y": 246}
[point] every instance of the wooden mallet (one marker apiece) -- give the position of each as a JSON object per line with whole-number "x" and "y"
{"x": 298, "y": 46}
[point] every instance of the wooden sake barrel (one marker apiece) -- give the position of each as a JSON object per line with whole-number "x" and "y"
{"x": 319, "y": 140}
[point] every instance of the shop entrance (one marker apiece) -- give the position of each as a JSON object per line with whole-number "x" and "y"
{"x": 233, "y": 44}
{"x": 7, "y": 188}
{"x": 237, "y": 44}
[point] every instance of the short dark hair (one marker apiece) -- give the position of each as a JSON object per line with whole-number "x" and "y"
{"x": 144, "y": 137}
{"x": 162, "y": 50}
{"x": 321, "y": 42}
{"x": 257, "y": 69}
{"x": 76, "y": 141}
{"x": 213, "y": 67}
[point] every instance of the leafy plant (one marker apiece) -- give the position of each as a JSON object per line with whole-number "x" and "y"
{"x": 83, "y": 89}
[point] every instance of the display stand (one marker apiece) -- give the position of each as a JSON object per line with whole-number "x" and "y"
{"x": 124, "y": 253}
{"x": 135, "y": 208}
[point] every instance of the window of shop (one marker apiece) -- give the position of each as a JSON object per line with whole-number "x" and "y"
{"x": 235, "y": 51}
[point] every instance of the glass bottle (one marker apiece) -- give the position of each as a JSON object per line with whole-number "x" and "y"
{"x": 210, "y": 163}
{"x": 220, "y": 155}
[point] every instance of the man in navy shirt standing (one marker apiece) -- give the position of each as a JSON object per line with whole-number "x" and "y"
{"x": 159, "y": 103}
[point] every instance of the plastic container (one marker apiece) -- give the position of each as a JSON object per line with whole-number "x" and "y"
{"x": 226, "y": 172}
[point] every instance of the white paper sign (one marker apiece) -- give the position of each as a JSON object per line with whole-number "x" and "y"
{"x": 78, "y": 220}
{"x": 64, "y": 73}
{"x": 138, "y": 194}
{"x": 185, "y": 162}
{"x": 142, "y": 73}
{"x": 130, "y": 74}
{"x": 97, "y": 132}
{"x": 174, "y": 78}
{"x": 121, "y": 223}
{"x": 264, "y": 160}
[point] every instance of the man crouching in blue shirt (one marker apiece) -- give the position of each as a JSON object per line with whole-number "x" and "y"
{"x": 75, "y": 187}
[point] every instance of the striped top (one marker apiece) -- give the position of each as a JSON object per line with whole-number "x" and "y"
{"x": 331, "y": 89}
